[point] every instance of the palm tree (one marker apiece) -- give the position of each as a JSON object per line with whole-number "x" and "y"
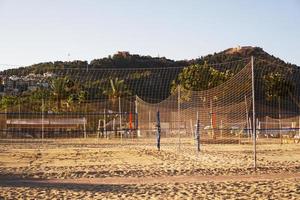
{"x": 60, "y": 88}
{"x": 117, "y": 89}
{"x": 278, "y": 87}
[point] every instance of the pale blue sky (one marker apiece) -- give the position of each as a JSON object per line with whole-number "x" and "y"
{"x": 35, "y": 31}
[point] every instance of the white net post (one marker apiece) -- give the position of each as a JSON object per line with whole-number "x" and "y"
{"x": 104, "y": 124}
{"x": 253, "y": 113}
{"x": 178, "y": 123}
{"x": 212, "y": 120}
{"x": 19, "y": 110}
{"x": 5, "y": 126}
{"x": 43, "y": 117}
{"x": 120, "y": 118}
{"x": 279, "y": 119}
{"x": 137, "y": 118}
{"x": 198, "y": 132}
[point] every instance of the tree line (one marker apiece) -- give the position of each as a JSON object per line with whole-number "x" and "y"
{"x": 198, "y": 74}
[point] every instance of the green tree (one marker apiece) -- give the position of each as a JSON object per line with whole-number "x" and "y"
{"x": 199, "y": 77}
{"x": 7, "y": 101}
{"x": 34, "y": 99}
{"x": 277, "y": 86}
{"x": 117, "y": 88}
{"x": 61, "y": 88}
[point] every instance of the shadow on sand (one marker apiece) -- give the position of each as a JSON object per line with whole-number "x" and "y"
{"x": 44, "y": 184}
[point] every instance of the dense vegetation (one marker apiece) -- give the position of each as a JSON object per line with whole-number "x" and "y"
{"x": 80, "y": 80}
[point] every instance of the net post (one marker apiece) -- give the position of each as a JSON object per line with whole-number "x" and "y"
{"x": 43, "y": 120}
{"x": 84, "y": 127}
{"x": 99, "y": 129}
{"x": 253, "y": 114}
{"x": 120, "y": 113}
{"x": 158, "y": 131}
{"x": 136, "y": 117}
{"x": 178, "y": 118}
{"x": 104, "y": 124}
{"x": 198, "y": 132}
{"x": 279, "y": 117}
{"x": 114, "y": 125}
{"x": 212, "y": 125}
{"x": 19, "y": 108}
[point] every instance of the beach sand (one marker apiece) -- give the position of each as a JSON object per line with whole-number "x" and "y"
{"x": 134, "y": 169}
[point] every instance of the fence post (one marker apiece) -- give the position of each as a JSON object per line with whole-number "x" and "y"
{"x": 43, "y": 120}
{"x": 211, "y": 119}
{"x": 178, "y": 124}
{"x": 253, "y": 112}
{"x": 198, "y": 132}
{"x": 136, "y": 117}
{"x": 158, "y": 131}
{"x": 120, "y": 113}
{"x": 279, "y": 117}
{"x": 104, "y": 124}
{"x": 84, "y": 128}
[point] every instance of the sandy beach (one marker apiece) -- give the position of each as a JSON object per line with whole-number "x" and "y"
{"x": 131, "y": 169}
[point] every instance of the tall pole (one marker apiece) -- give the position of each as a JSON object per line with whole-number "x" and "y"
{"x": 5, "y": 128}
{"x": 198, "y": 132}
{"x": 120, "y": 113}
{"x": 42, "y": 120}
{"x": 279, "y": 116}
{"x": 253, "y": 112}
{"x": 104, "y": 124}
{"x": 136, "y": 117}
{"x": 178, "y": 102}
{"x": 211, "y": 119}
{"x": 179, "y": 120}
{"x": 19, "y": 117}
{"x": 158, "y": 131}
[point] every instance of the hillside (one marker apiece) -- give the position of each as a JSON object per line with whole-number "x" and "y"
{"x": 126, "y": 60}
{"x": 160, "y": 72}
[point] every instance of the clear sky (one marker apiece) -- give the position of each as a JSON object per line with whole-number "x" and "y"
{"x": 35, "y": 31}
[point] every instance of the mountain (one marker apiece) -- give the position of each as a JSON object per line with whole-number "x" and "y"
{"x": 151, "y": 73}
{"x": 127, "y": 60}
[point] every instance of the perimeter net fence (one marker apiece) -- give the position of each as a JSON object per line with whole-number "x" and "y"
{"x": 203, "y": 106}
